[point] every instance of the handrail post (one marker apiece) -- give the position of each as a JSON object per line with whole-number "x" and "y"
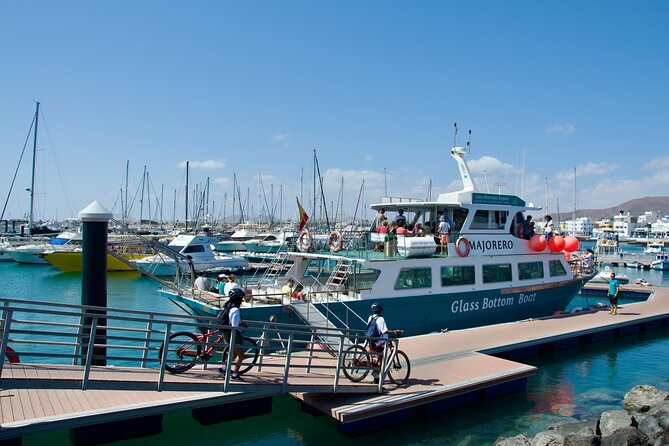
{"x": 340, "y": 358}
{"x": 228, "y": 362}
{"x": 89, "y": 351}
{"x": 163, "y": 356}
{"x": 6, "y": 324}
{"x": 289, "y": 351}
{"x": 263, "y": 343}
{"x": 311, "y": 351}
{"x": 147, "y": 340}
{"x": 384, "y": 363}
{"x": 80, "y": 339}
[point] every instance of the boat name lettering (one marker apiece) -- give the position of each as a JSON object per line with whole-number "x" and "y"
{"x": 485, "y": 245}
{"x": 487, "y": 303}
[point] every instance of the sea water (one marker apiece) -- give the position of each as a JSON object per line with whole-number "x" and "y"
{"x": 577, "y": 383}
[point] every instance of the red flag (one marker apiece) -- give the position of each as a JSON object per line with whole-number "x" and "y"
{"x": 303, "y": 215}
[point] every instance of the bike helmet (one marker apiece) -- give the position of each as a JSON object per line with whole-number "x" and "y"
{"x": 236, "y": 295}
{"x": 376, "y": 307}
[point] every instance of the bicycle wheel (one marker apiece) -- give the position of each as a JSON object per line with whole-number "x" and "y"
{"x": 182, "y": 352}
{"x": 251, "y": 353}
{"x": 400, "y": 369}
{"x": 356, "y": 363}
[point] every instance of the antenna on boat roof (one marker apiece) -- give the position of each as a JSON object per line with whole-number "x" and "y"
{"x": 469, "y": 142}
{"x": 455, "y": 134}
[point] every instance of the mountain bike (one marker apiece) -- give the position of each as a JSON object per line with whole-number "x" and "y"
{"x": 185, "y": 348}
{"x": 358, "y": 362}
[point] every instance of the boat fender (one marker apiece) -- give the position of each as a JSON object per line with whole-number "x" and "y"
{"x": 305, "y": 241}
{"x": 467, "y": 247}
{"x": 335, "y": 242}
{"x": 11, "y": 355}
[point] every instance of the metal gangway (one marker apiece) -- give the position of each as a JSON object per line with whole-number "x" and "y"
{"x": 67, "y": 346}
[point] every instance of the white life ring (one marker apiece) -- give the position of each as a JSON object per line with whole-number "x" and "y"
{"x": 335, "y": 246}
{"x": 463, "y": 252}
{"x": 306, "y": 240}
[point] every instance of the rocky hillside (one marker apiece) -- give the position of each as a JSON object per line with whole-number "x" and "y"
{"x": 636, "y": 207}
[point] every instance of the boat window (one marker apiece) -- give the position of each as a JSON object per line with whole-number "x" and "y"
{"x": 497, "y": 273}
{"x": 457, "y": 275}
{"x": 531, "y": 270}
{"x": 486, "y": 219}
{"x": 193, "y": 248}
{"x": 410, "y": 278}
{"x": 319, "y": 268}
{"x": 556, "y": 268}
{"x": 176, "y": 248}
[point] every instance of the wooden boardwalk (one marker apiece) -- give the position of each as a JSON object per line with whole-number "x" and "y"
{"x": 448, "y": 369}
{"x": 453, "y": 364}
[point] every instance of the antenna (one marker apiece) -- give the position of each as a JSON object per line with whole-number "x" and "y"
{"x": 455, "y": 134}
{"x": 469, "y": 142}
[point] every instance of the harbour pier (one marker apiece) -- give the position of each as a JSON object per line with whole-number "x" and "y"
{"x": 448, "y": 370}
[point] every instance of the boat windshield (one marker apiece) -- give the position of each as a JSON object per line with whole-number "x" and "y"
{"x": 176, "y": 248}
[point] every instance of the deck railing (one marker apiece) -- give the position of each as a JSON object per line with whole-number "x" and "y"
{"x": 85, "y": 336}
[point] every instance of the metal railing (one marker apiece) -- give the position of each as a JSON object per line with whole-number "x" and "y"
{"x": 86, "y": 336}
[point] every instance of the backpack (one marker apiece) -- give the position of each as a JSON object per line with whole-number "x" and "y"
{"x": 372, "y": 331}
{"x": 223, "y": 316}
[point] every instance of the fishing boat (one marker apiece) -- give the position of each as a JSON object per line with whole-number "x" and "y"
{"x": 120, "y": 251}
{"x": 661, "y": 261}
{"x": 605, "y": 275}
{"x": 654, "y": 248}
{"x": 484, "y": 275}
{"x": 197, "y": 250}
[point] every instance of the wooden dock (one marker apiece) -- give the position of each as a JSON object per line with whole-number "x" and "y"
{"x": 449, "y": 370}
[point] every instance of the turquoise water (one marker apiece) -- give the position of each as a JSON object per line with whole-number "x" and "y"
{"x": 575, "y": 383}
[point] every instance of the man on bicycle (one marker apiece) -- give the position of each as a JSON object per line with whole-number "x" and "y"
{"x": 376, "y": 346}
{"x": 236, "y": 297}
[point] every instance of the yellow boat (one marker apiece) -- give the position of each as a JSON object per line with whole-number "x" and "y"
{"x": 70, "y": 261}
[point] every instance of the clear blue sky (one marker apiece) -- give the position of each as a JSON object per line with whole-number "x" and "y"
{"x": 253, "y": 87}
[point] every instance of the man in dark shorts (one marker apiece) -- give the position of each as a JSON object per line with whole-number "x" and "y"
{"x": 614, "y": 287}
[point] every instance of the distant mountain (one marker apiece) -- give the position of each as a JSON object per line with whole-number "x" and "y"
{"x": 635, "y": 207}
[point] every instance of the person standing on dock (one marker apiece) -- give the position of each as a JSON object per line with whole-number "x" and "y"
{"x": 381, "y": 331}
{"x": 236, "y": 297}
{"x": 614, "y": 288}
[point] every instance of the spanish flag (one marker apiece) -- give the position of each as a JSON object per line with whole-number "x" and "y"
{"x": 303, "y": 215}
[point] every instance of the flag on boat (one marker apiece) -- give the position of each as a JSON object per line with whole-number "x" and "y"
{"x": 303, "y": 215}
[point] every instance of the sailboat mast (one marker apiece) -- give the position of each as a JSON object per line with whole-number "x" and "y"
{"x": 32, "y": 180}
{"x": 574, "y": 194}
{"x": 186, "y": 230}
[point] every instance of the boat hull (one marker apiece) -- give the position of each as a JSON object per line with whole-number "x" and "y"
{"x": 28, "y": 257}
{"x": 72, "y": 261}
{"x": 428, "y": 313}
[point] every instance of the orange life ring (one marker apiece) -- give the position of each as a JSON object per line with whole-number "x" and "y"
{"x": 306, "y": 241}
{"x": 335, "y": 246}
{"x": 466, "y": 251}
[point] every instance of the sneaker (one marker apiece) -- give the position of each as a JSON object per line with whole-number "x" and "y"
{"x": 236, "y": 377}
{"x": 222, "y": 370}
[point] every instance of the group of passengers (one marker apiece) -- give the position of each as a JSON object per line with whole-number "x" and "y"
{"x": 397, "y": 227}
{"x": 293, "y": 291}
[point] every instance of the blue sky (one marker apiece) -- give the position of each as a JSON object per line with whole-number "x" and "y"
{"x": 252, "y": 88}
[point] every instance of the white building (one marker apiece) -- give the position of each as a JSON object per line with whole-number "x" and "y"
{"x": 581, "y": 227}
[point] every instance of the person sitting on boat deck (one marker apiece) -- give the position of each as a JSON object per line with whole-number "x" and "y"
{"x": 401, "y": 228}
{"x": 201, "y": 282}
{"x": 383, "y": 229}
{"x": 614, "y": 288}
{"x": 297, "y": 293}
{"x": 416, "y": 231}
{"x": 227, "y": 283}
{"x": 548, "y": 227}
{"x": 444, "y": 234}
{"x": 376, "y": 346}
{"x": 400, "y": 217}
{"x": 589, "y": 260}
{"x": 287, "y": 289}
{"x": 235, "y": 299}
